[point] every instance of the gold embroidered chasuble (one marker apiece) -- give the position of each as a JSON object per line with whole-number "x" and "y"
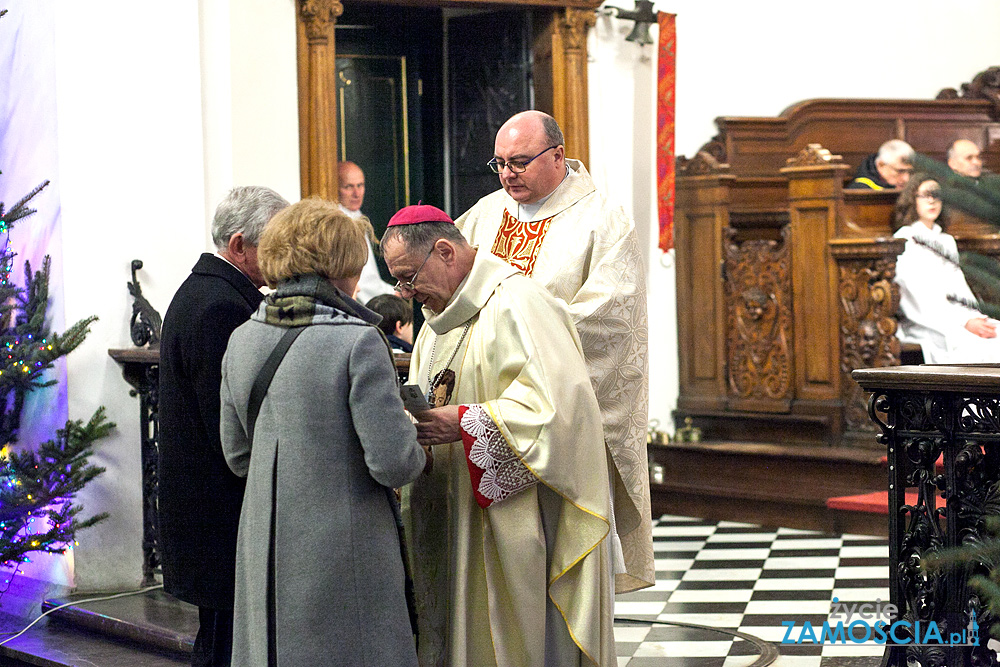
{"x": 484, "y": 576}
{"x": 586, "y": 253}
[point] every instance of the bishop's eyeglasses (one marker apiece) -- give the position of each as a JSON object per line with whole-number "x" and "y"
{"x": 515, "y": 166}
{"x": 408, "y": 285}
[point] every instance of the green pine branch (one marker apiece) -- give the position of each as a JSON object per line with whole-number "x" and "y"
{"x": 980, "y": 199}
{"x": 38, "y": 486}
{"x": 20, "y": 210}
{"x": 982, "y": 554}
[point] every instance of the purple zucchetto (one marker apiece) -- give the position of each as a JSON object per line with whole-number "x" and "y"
{"x": 418, "y": 213}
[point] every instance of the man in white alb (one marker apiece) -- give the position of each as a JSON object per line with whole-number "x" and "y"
{"x": 551, "y": 223}
{"x": 351, "y": 184}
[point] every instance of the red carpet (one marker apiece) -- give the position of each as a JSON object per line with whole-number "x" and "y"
{"x": 876, "y": 502}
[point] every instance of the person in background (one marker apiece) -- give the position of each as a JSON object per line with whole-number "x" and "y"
{"x": 397, "y": 320}
{"x": 351, "y": 184}
{"x": 964, "y": 159}
{"x": 199, "y": 497}
{"x": 948, "y": 332}
{"x": 319, "y": 569}
{"x": 889, "y": 168}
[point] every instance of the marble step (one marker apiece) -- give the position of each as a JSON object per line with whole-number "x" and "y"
{"x": 151, "y": 629}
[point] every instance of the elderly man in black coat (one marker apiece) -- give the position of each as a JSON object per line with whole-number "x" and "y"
{"x": 199, "y": 497}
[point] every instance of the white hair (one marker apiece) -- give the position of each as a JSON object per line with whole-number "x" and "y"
{"x": 895, "y": 148}
{"x": 245, "y": 209}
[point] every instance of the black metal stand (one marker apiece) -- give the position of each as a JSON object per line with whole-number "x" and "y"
{"x": 141, "y": 369}
{"x": 926, "y": 413}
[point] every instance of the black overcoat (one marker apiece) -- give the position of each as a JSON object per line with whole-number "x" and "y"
{"x": 199, "y": 496}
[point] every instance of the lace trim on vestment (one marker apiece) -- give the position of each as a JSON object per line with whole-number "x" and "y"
{"x": 500, "y": 472}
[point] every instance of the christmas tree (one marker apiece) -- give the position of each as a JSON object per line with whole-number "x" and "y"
{"x": 37, "y": 485}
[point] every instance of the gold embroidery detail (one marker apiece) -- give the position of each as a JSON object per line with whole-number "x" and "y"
{"x": 518, "y": 243}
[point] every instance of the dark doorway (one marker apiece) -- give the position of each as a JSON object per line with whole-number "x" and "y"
{"x": 389, "y": 99}
{"x": 418, "y": 119}
{"x": 400, "y": 121}
{"x": 489, "y": 80}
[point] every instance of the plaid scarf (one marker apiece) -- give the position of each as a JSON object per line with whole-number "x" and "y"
{"x": 304, "y": 300}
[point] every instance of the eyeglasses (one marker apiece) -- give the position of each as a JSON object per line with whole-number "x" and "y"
{"x": 515, "y": 166}
{"x": 930, "y": 196}
{"x": 409, "y": 285}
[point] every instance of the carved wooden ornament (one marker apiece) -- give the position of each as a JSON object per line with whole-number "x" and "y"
{"x": 814, "y": 155}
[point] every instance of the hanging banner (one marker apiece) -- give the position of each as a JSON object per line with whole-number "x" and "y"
{"x": 666, "y": 77}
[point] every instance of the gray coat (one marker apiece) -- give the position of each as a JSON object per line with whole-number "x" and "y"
{"x": 317, "y": 539}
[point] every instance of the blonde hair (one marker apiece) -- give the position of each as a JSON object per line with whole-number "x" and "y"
{"x": 313, "y": 237}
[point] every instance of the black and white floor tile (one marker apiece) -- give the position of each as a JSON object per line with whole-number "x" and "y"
{"x": 747, "y": 578}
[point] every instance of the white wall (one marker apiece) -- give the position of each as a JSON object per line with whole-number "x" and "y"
{"x": 160, "y": 111}
{"x": 755, "y": 59}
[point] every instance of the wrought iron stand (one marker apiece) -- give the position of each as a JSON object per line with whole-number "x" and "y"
{"x": 141, "y": 369}
{"x": 927, "y": 412}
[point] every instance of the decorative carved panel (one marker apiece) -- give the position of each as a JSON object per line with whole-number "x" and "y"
{"x": 869, "y": 300}
{"x": 758, "y": 292}
{"x": 984, "y": 86}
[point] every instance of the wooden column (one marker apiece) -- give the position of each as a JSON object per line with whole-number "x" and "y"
{"x": 560, "y": 70}
{"x": 703, "y": 194}
{"x": 317, "y": 93}
{"x": 815, "y": 200}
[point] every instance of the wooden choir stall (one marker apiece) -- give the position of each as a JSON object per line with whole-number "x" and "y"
{"x": 784, "y": 287}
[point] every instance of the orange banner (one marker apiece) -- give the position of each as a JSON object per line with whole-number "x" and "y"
{"x": 666, "y": 78}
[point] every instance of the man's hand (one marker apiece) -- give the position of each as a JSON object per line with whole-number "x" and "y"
{"x": 982, "y": 328}
{"x": 438, "y": 426}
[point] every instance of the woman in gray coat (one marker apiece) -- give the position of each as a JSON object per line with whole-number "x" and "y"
{"x": 319, "y": 576}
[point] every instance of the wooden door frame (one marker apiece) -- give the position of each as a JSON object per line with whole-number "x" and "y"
{"x": 560, "y": 56}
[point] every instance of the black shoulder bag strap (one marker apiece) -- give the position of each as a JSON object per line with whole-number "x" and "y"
{"x": 266, "y": 374}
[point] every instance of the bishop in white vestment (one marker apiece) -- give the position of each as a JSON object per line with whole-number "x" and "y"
{"x": 508, "y": 533}
{"x": 550, "y": 222}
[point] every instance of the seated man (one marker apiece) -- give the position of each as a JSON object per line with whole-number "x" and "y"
{"x": 889, "y": 168}
{"x": 964, "y": 159}
{"x": 397, "y": 320}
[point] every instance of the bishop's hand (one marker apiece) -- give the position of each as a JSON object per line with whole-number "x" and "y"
{"x": 438, "y": 426}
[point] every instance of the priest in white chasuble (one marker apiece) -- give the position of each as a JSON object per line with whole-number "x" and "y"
{"x": 509, "y": 532}
{"x": 551, "y": 223}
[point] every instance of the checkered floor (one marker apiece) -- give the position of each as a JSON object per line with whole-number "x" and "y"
{"x": 737, "y": 576}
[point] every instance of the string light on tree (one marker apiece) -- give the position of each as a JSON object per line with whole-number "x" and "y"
{"x": 38, "y": 482}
